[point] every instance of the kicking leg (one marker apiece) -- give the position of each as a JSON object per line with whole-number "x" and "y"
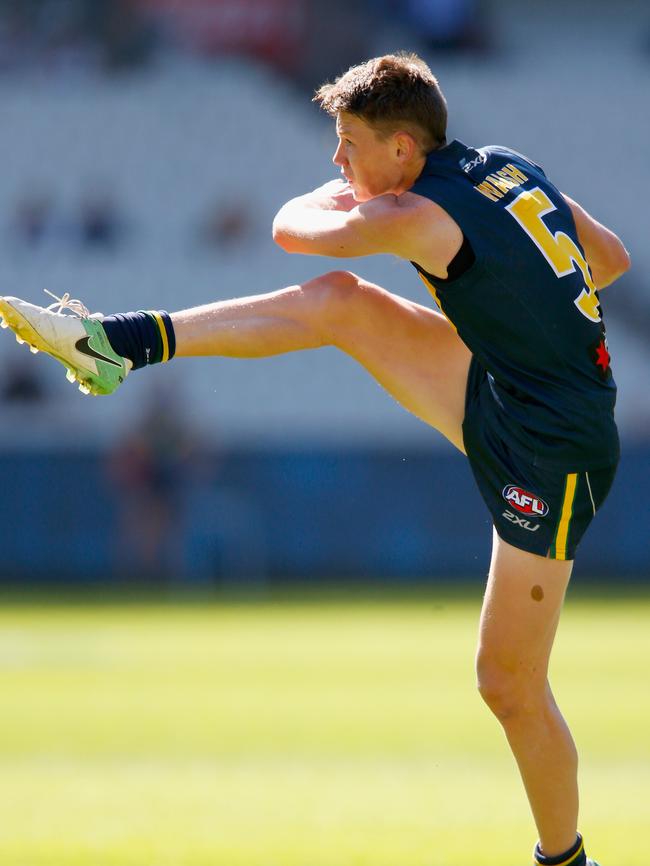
{"x": 411, "y": 350}
{"x": 520, "y": 615}
{"x": 408, "y": 348}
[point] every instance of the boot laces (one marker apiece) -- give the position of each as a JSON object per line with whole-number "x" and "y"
{"x": 68, "y": 303}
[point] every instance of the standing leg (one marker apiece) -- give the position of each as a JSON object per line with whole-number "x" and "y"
{"x": 520, "y": 615}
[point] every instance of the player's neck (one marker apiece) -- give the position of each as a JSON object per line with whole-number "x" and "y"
{"x": 411, "y": 173}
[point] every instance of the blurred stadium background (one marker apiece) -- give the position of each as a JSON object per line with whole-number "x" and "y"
{"x": 145, "y": 146}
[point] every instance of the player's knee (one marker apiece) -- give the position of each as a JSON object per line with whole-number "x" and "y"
{"x": 508, "y": 691}
{"x": 501, "y": 694}
{"x": 336, "y": 299}
{"x": 332, "y": 291}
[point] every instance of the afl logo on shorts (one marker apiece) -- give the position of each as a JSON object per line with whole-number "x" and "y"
{"x": 523, "y": 501}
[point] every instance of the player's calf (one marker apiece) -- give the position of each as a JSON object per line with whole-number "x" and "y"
{"x": 305, "y": 316}
{"x": 336, "y": 308}
{"x": 99, "y": 352}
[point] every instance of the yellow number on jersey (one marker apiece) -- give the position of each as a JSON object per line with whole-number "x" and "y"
{"x": 558, "y": 249}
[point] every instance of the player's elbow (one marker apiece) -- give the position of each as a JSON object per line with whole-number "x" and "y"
{"x": 292, "y": 241}
{"x": 283, "y": 238}
{"x": 279, "y": 234}
{"x": 616, "y": 263}
{"x": 623, "y": 261}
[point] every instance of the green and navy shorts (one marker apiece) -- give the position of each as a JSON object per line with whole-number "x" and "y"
{"x": 537, "y": 509}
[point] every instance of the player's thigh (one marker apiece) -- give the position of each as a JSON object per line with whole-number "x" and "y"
{"x": 412, "y": 351}
{"x": 520, "y": 615}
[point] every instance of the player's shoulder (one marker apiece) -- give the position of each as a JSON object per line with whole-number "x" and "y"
{"x": 407, "y": 210}
{"x": 410, "y": 226}
{"x": 433, "y": 234}
{"x": 423, "y": 217}
{"x": 452, "y": 174}
{"x": 458, "y": 160}
{"x": 501, "y": 152}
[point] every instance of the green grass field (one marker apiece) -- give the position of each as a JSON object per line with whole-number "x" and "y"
{"x": 319, "y": 732}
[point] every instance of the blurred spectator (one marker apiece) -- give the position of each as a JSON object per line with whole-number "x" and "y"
{"x": 112, "y": 33}
{"x": 21, "y": 383}
{"x": 151, "y": 470}
{"x": 14, "y": 33}
{"x": 100, "y": 223}
{"x": 444, "y": 25}
{"x": 121, "y": 29}
{"x": 43, "y": 32}
{"x": 226, "y": 225}
{"x": 271, "y": 30}
{"x": 338, "y": 34}
{"x": 448, "y": 25}
{"x": 34, "y": 218}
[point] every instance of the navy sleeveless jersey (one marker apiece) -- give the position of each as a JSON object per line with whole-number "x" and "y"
{"x": 527, "y": 307}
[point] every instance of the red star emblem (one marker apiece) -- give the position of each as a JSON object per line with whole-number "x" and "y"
{"x": 602, "y": 356}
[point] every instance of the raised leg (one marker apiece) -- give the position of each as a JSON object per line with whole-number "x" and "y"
{"x": 520, "y": 615}
{"x": 409, "y": 349}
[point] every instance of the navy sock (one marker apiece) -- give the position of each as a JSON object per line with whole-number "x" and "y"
{"x": 145, "y": 337}
{"x": 575, "y": 856}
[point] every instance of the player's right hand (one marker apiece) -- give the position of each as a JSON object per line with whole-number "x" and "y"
{"x": 334, "y": 195}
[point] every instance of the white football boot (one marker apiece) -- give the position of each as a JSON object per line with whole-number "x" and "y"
{"x": 78, "y": 340}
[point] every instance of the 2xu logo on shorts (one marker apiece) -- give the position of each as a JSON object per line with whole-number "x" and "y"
{"x": 520, "y": 521}
{"x": 523, "y": 501}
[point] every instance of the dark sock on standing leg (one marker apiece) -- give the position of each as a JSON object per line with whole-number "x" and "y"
{"x": 575, "y": 856}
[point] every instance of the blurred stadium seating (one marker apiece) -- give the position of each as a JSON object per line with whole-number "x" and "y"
{"x": 157, "y": 187}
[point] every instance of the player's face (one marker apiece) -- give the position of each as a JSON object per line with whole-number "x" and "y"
{"x": 366, "y": 160}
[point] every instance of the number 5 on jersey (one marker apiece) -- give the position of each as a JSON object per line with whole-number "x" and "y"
{"x": 559, "y": 250}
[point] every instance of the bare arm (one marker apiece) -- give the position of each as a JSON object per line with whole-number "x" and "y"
{"x": 329, "y": 222}
{"x": 608, "y": 259}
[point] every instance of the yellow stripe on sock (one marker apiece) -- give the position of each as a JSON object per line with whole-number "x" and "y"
{"x": 572, "y": 858}
{"x": 565, "y": 518}
{"x": 163, "y": 335}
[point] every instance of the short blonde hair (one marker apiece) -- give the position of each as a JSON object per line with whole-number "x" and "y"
{"x": 396, "y": 91}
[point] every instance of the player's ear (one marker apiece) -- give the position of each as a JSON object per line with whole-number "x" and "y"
{"x": 405, "y": 146}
